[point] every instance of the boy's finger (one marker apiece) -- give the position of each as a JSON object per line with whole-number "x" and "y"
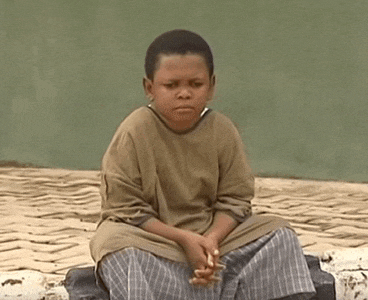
{"x": 210, "y": 260}
{"x": 215, "y": 278}
{"x": 201, "y": 281}
{"x": 220, "y": 266}
{"x": 203, "y": 273}
{"x": 216, "y": 258}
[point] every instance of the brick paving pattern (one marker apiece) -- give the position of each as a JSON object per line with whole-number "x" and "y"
{"x": 47, "y": 216}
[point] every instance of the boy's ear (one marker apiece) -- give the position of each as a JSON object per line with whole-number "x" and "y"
{"x": 213, "y": 81}
{"x": 147, "y": 86}
{"x": 212, "y": 87}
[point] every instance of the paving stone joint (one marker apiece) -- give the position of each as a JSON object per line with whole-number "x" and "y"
{"x": 47, "y": 217}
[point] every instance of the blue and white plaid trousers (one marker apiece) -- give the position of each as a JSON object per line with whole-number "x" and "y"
{"x": 272, "y": 267}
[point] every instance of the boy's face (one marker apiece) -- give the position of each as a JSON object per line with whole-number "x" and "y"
{"x": 181, "y": 88}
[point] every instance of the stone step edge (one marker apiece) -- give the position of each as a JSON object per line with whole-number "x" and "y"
{"x": 349, "y": 268}
{"x": 32, "y": 285}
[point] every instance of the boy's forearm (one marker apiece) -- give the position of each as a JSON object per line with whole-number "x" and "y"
{"x": 222, "y": 225}
{"x": 156, "y": 226}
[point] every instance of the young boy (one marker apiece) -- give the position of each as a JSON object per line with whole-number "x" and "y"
{"x": 176, "y": 220}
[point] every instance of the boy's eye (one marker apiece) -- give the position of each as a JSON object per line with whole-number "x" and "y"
{"x": 170, "y": 85}
{"x": 197, "y": 84}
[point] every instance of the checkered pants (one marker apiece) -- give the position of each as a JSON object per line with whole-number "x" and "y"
{"x": 272, "y": 267}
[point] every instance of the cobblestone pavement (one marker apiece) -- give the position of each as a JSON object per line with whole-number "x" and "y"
{"x": 47, "y": 216}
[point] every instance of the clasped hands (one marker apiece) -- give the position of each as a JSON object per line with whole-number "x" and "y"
{"x": 203, "y": 255}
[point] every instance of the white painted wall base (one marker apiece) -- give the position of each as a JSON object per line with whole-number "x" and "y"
{"x": 31, "y": 285}
{"x": 350, "y": 269}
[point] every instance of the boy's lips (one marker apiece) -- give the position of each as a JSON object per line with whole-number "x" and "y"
{"x": 184, "y": 108}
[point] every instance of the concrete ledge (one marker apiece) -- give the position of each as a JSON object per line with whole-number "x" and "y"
{"x": 350, "y": 270}
{"x": 31, "y": 285}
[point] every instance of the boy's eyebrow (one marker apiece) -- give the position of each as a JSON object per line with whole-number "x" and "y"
{"x": 191, "y": 79}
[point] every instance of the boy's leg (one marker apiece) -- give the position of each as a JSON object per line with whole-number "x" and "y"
{"x": 270, "y": 268}
{"x": 136, "y": 274}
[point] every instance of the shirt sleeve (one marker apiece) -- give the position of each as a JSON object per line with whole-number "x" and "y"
{"x": 236, "y": 182}
{"x": 121, "y": 184}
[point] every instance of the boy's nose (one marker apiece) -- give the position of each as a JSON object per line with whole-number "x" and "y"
{"x": 184, "y": 93}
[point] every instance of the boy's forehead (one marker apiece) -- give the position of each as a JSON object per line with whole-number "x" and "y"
{"x": 176, "y": 62}
{"x": 175, "y": 56}
{"x": 163, "y": 54}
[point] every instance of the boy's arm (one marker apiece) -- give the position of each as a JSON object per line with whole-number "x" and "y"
{"x": 236, "y": 181}
{"x": 156, "y": 226}
{"x": 195, "y": 246}
{"x": 222, "y": 225}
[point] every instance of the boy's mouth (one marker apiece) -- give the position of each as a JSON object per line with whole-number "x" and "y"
{"x": 184, "y": 108}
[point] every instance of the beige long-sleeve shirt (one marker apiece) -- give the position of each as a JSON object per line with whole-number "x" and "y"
{"x": 181, "y": 178}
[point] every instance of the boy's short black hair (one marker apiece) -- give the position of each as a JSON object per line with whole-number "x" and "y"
{"x": 177, "y": 41}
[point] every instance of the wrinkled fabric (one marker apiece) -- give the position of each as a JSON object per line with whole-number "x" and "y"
{"x": 181, "y": 178}
{"x": 272, "y": 267}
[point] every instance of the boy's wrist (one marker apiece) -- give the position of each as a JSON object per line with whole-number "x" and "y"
{"x": 222, "y": 225}
{"x": 213, "y": 236}
{"x": 180, "y": 236}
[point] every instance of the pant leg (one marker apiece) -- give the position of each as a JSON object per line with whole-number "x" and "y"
{"x": 272, "y": 267}
{"x": 139, "y": 275}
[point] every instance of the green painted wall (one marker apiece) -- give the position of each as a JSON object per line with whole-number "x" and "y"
{"x": 293, "y": 75}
